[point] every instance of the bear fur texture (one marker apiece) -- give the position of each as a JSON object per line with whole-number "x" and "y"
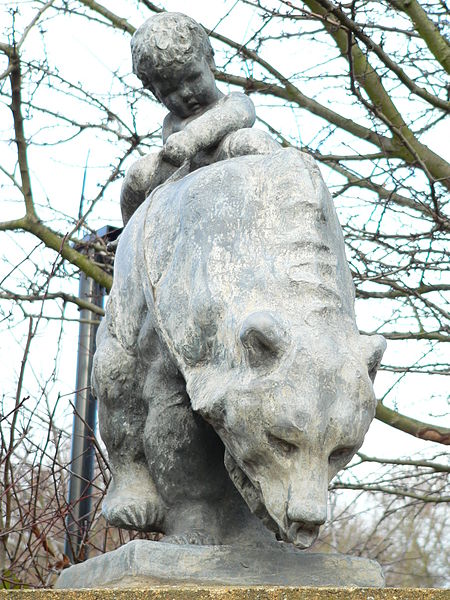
{"x": 232, "y": 379}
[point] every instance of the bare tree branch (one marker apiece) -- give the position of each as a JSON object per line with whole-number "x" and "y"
{"x": 408, "y": 147}
{"x": 424, "y": 431}
{"x": 385, "y": 58}
{"x": 52, "y": 296}
{"x": 437, "y": 43}
{"x": 390, "y": 490}
{"x": 404, "y": 461}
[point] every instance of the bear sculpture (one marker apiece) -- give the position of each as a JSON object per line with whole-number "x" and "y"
{"x": 232, "y": 379}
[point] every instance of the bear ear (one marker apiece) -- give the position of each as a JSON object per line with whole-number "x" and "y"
{"x": 263, "y": 337}
{"x": 374, "y": 347}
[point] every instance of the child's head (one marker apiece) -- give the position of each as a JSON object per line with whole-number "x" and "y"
{"x": 169, "y": 52}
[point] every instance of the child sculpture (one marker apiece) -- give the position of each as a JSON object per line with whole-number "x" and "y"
{"x": 173, "y": 58}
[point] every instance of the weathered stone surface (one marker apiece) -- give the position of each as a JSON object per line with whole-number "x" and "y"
{"x": 203, "y": 125}
{"x": 230, "y": 337}
{"x": 232, "y": 380}
{"x": 143, "y": 563}
{"x": 231, "y": 593}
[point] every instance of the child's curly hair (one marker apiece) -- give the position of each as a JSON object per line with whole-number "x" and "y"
{"x": 165, "y": 41}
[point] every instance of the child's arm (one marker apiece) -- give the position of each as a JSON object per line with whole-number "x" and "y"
{"x": 142, "y": 178}
{"x": 231, "y": 113}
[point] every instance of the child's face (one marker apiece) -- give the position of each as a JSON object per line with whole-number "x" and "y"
{"x": 187, "y": 90}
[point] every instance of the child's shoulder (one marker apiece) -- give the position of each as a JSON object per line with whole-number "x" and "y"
{"x": 171, "y": 124}
{"x": 237, "y": 97}
{"x": 242, "y": 106}
{"x": 241, "y": 103}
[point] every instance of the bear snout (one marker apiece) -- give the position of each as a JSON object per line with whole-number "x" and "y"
{"x": 307, "y": 516}
{"x": 302, "y": 535}
{"x": 304, "y": 516}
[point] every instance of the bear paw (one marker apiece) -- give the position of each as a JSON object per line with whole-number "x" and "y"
{"x": 198, "y": 538}
{"x": 132, "y": 510}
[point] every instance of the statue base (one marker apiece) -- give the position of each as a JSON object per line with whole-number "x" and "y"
{"x": 143, "y": 563}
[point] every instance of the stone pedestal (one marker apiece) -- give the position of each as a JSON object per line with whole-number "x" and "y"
{"x": 143, "y": 563}
{"x": 230, "y": 593}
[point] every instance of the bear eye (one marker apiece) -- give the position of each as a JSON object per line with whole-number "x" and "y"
{"x": 281, "y": 445}
{"x": 342, "y": 454}
{"x": 263, "y": 338}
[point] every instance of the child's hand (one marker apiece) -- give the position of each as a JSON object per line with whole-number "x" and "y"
{"x": 179, "y": 147}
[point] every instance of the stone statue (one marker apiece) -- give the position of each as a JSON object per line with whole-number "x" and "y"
{"x": 173, "y": 58}
{"x": 232, "y": 381}
{"x": 230, "y": 339}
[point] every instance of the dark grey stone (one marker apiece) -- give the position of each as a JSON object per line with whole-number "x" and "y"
{"x": 173, "y": 58}
{"x": 229, "y": 359}
{"x": 233, "y": 383}
{"x": 143, "y": 564}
